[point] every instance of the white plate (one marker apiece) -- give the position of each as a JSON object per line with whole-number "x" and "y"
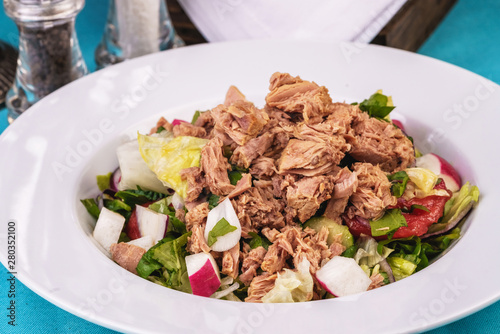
{"x": 51, "y": 154}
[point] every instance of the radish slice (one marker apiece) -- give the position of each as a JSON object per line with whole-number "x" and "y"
{"x": 108, "y": 228}
{"x": 151, "y": 223}
{"x": 203, "y": 274}
{"x": 177, "y": 201}
{"x": 341, "y": 276}
{"x": 441, "y": 168}
{"x": 178, "y": 121}
{"x": 145, "y": 242}
{"x": 399, "y": 124}
{"x": 115, "y": 179}
{"x": 223, "y": 210}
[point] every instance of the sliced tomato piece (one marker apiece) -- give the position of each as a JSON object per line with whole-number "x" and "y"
{"x": 418, "y": 220}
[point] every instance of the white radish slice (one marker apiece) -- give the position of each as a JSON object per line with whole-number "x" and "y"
{"x": 342, "y": 276}
{"x": 177, "y": 201}
{"x": 203, "y": 274}
{"x": 223, "y": 210}
{"x": 108, "y": 228}
{"x": 441, "y": 168}
{"x": 151, "y": 223}
{"x": 145, "y": 242}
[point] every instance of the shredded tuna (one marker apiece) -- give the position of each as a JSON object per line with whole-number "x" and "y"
{"x": 263, "y": 167}
{"x": 230, "y": 261}
{"x": 196, "y": 182}
{"x": 196, "y": 242}
{"x": 197, "y": 216}
{"x": 255, "y": 147}
{"x": 233, "y": 94}
{"x": 293, "y": 95}
{"x": 127, "y": 256}
{"x": 215, "y": 167}
{"x": 251, "y": 263}
{"x": 162, "y": 123}
{"x": 242, "y": 185}
{"x": 259, "y": 286}
{"x": 307, "y": 194}
{"x": 187, "y": 129}
{"x": 241, "y": 120}
{"x": 380, "y": 142}
{"x": 377, "y": 281}
{"x": 373, "y": 193}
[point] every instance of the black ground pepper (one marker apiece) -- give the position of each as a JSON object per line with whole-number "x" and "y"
{"x": 48, "y": 56}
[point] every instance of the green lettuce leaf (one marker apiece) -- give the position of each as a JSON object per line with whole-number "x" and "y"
{"x": 377, "y": 106}
{"x": 167, "y": 256}
{"x": 401, "y": 268}
{"x": 103, "y": 181}
{"x": 390, "y": 222}
{"x": 91, "y": 206}
{"x": 166, "y": 157}
{"x": 174, "y": 223}
{"x": 292, "y": 286}
{"x": 399, "y": 181}
{"x": 456, "y": 208}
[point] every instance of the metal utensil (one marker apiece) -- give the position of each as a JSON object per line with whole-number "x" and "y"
{"x": 8, "y": 64}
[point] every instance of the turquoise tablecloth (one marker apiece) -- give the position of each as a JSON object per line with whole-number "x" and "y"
{"x": 468, "y": 37}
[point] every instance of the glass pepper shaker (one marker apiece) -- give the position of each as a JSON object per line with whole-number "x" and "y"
{"x": 135, "y": 28}
{"x": 49, "y": 53}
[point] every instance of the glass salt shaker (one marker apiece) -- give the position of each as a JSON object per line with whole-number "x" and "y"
{"x": 49, "y": 53}
{"x": 135, "y": 28}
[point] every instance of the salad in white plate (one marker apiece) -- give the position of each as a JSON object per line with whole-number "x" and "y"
{"x": 303, "y": 199}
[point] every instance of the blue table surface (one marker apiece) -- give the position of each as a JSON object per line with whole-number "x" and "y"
{"x": 469, "y": 37}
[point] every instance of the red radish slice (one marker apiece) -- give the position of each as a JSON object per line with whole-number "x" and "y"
{"x": 115, "y": 179}
{"x": 145, "y": 242}
{"x": 203, "y": 274}
{"x": 151, "y": 223}
{"x": 132, "y": 228}
{"x": 441, "y": 168}
{"x": 342, "y": 276}
{"x": 177, "y": 122}
{"x": 223, "y": 210}
{"x": 399, "y": 124}
{"x": 108, "y": 228}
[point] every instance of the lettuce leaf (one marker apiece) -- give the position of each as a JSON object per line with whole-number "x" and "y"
{"x": 292, "y": 286}
{"x": 174, "y": 223}
{"x": 390, "y": 222}
{"x": 378, "y": 105}
{"x": 166, "y": 157}
{"x": 456, "y": 208}
{"x": 368, "y": 251}
{"x": 167, "y": 257}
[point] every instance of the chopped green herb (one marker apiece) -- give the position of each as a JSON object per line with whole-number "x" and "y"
{"x": 116, "y": 205}
{"x": 391, "y": 221}
{"x": 376, "y": 106}
{"x": 103, "y": 181}
{"x": 197, "y": 114}
{"x": 399, "y": 181}
{"x": 91, "y": 206}
{"x": 221, "y": 228}
{"x": 213, "y": 201}
{"x": 258, "y": 241}
{"x": 160, "y": 129}
{"x": 234, "y": 177}
{"x": 133, "y": 197}
{"x": 350, "y": 252}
